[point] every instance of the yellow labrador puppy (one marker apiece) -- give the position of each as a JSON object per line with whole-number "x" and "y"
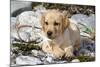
{"x": 64, "y": 34}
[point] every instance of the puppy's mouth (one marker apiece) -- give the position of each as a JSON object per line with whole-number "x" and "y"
{"x": 50, "y": 37}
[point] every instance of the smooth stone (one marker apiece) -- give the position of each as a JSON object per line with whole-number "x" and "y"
{"x": 84, "y": 19}
{"x": 88, "y": 21}
{"x": 27, "y": 60}
{"x": 49, "y": 59}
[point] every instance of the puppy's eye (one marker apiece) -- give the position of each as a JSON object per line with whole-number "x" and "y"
{"x": 56, "y": 23}
{"x": 46, "y": 23}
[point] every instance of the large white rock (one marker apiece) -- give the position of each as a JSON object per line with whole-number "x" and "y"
{"x": 88, "y": 21}
{"x": 26, "y": 33}
{"x": 28, "y": 18}
{"x": 27, "y": 60}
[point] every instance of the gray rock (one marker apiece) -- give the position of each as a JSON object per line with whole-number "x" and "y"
{"x": 19, "y": 6}
{"x": 39, "y": 10}
{"x": 39, "y": 7}
{"x": 27, "y": 60}
{"x": 88, "y": 21}
{"x": 29, "y": 18}
{"x": 26, "y": 18}
{"x": 26, "y": 33}
{"x": 12, "y": 56}
{"x": 37, "y": 53}
{"x": 92, "y": 54}
{"x": 13, "y": 29}
{"x": 87, "y": 47}
{"x": 88, "y": 44}
{"x": 84, "y": 19}
{"x": 49, "y": 59}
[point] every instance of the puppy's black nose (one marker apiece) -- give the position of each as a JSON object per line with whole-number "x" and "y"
{"x": 49, "y": 33}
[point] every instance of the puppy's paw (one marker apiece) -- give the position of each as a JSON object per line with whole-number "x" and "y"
{"x": 69, "y": 52}
{"x": 58, "y": 53}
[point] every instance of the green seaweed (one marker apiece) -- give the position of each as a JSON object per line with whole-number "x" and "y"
{"x": 26, "y": 47}
{"x": 82, "y": 58}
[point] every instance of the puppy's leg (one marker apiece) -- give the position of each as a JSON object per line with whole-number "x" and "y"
{"x": 57, "y": 51}
{"x": 53, "y": 49}
{"x": 69, "y": 51}
{"x": 47, "y": 48}
{"x": 77, "y": 48}
{"x": 77, "y": 45}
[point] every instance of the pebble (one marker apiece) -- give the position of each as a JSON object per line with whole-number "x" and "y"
{"x": 75, "y": 60}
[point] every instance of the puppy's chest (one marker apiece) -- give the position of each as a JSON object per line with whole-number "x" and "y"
{"x": 63, "y": 41}
{"x": 66, "y": 39}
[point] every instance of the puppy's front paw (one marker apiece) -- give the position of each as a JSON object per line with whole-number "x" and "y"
{"x": 58, "y": 53}
{"x": 69, "y": 52}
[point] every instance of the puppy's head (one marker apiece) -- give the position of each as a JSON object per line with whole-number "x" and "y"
{"x": 54, "y": 23}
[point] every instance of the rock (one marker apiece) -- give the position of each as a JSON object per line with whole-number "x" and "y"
{"x": 88, "y": 44}
{"x": 37, "y": 53}
{"x": 39, "y": 7}
{"x": 26, "y": 18}
{"x": 26, "y": 33}
{"x": 13, "y": 29}
{"x": 27, "y": 60}
{"x": 88, "y": 21}
{"x": 31, "y": 20}
{"x": 87, "y": 47}
{"x": 52, "y": 60}
{"x": 92, "y": 54}
{"x": 12, "y": 56}
{"x": 49, "y": 59}
{"x": 84, "y": 19}
{"x": 18, "y": 7}
{"x": 13, "y": 22}
{"x": 39, "y": 10}
{"x": 75, "y": 60}
{"x": 84, "y": 52}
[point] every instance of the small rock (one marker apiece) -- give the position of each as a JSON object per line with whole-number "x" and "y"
{"x": 87, "y": 47}
{"x": 37, "y": 53}
{"x": 24, "y": 35}
{"x": 92, "y": 54}
{"x": 49, "y": 59}
{"x": 84, "y": 19}
{"x": 75, "y": 60}
{"x": 27, "y": 60}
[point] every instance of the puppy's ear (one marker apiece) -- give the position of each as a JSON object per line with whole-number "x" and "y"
{"x": 65, "y": 23}
{"x": 42, "y": 21}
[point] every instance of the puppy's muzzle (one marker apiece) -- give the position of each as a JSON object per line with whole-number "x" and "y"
{"x": 49, "y": 34}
